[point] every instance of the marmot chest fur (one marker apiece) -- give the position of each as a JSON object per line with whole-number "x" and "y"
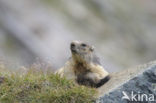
{"x": 84, "y": 66}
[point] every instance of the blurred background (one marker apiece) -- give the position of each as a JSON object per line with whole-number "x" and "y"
{"x": 122, "y": 31}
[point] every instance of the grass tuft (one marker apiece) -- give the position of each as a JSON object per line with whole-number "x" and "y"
{"x": 36, "y": 86}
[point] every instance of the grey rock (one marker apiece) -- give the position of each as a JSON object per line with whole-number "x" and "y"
{"x": 140, "y": 88}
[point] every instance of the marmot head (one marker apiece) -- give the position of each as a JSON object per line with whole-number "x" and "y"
{"x": 82, "y": 52}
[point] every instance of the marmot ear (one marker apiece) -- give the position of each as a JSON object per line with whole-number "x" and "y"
{"x": 92, "y": 48}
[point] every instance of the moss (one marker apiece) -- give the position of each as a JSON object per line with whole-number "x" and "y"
{"x": 36, "y": 86}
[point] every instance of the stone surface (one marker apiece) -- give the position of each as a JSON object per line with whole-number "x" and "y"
{"x": 138, "y": 84}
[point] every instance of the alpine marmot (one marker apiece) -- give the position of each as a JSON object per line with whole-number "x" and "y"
{"x": 84, "y": 66}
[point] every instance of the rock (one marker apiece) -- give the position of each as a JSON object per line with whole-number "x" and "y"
{"x": 134, "y": 85}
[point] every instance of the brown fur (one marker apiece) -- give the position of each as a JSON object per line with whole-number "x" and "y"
{"x": 84, "y": 67}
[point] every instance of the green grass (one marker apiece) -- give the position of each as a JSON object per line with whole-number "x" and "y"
{"x": 36, "y": 86}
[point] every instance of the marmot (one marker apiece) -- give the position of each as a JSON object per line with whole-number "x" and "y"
{"x": 84, "y": 66}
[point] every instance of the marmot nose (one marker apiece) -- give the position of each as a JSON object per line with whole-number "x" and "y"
{"x": 72, "y": 45}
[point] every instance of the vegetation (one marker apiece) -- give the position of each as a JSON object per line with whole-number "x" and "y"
{"x": 37, "y": 86}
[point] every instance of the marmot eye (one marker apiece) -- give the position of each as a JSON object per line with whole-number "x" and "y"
{"x": 83, "y": 45}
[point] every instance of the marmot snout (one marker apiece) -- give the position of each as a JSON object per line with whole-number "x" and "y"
{"x": 84, "y": 66}
{"x": 81, "y": 52}
{"x": 78, "y": 47}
